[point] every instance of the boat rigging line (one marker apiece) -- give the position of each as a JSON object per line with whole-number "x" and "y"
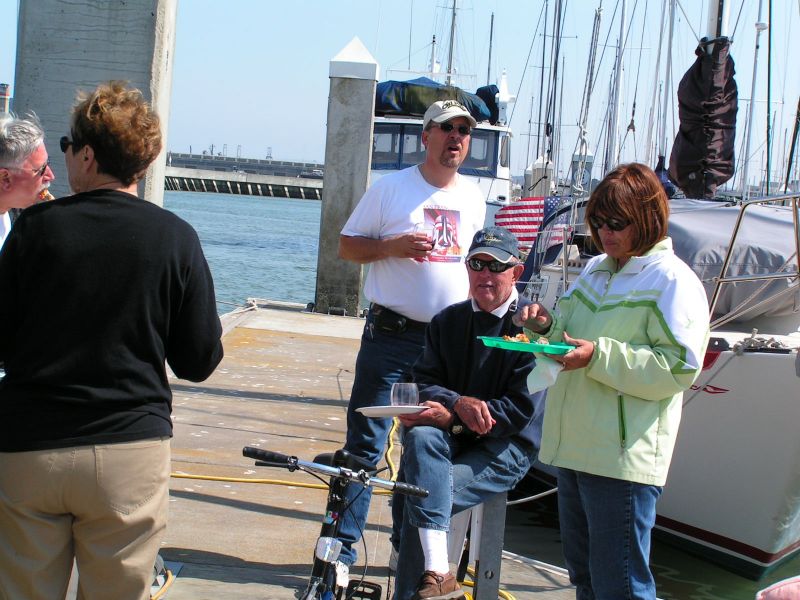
{"x": 688, "y": 21}
{"x": 524, "y": 71}
{"x": 582, "y": 143}
{"x": 654, "y": 97}
{"x": 632, "y": 125}
{"x": 760, "y": 26}
{"x": 612, "y": 142}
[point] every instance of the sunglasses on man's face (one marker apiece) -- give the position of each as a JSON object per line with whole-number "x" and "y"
{"x": 495, "y": 266}
{"x": 37, "y": 172}
{"x": 462, "y": 129}
{"x": 41, "y": 170}
{"x": 64, "y": 143}
{"x": 612, "y": 223}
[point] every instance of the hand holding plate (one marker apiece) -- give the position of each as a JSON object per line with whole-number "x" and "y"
{"x": 577, "y": 358}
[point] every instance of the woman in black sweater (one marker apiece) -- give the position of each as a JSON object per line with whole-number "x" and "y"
{"x": 99, "y": 290}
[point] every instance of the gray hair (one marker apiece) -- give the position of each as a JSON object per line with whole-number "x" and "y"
{"x": 19, "y": 138}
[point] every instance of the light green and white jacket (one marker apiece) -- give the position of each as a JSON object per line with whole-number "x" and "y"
{"x": 618, "y": 417}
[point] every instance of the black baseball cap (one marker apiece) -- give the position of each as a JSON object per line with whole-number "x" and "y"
{"x": 497, "y": 242}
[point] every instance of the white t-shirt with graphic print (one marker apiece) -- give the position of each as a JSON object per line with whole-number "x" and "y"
{"x": 393, "y": 206}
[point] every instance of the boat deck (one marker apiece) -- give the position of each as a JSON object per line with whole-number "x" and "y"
{"x": 282, "y": 386}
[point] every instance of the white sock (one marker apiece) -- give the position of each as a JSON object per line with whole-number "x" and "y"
{"x": 434, "y": 547}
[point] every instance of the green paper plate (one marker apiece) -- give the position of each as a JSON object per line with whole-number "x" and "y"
{"x": 498, "y": 342}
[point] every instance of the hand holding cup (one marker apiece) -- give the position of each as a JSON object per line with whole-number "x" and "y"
{"x": 423, "y": 239}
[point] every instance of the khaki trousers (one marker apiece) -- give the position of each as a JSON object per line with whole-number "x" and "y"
{"x": 104, "y": 505}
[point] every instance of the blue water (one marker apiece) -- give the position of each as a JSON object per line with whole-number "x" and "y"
{"x": 256, "y": 247}
{"x": 267, "y": 248}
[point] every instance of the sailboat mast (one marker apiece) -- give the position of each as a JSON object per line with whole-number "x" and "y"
{"x": 452, "y": 43}
{"x": 662, "y": 146}
{"x": 613, "y": 139}
{"x": 433, "y": 56}
{"x": 718, "y": 19}
{"x": 651, "y": 138}
{"x": 745, "y": 168}
{"x": 769, "y": 94}
{"x": 489, "y": 65}
{"x": 792, "y": 147}
{"x": 539, "y": 125}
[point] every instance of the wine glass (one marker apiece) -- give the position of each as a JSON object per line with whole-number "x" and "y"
{"x": 425, "y": 228}
{"x": 404, "y": 394}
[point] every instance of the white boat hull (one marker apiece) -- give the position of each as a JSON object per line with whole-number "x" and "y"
{"x": 733, "y": 491}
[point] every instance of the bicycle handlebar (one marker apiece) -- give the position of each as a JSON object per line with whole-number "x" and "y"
{"x": 276, "y": 459}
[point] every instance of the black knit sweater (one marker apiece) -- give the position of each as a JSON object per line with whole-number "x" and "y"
{"x": 97, "y": 290}
{"x": 456, "y": 363}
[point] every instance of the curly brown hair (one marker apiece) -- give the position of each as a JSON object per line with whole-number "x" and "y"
{"x": 632, "y": 193}
{"x": 121, "y": 128}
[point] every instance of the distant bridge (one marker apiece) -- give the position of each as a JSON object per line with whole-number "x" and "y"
{"x": 235, "y": 182}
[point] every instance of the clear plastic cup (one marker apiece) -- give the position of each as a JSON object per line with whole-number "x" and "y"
{"x": 404, "y": 394}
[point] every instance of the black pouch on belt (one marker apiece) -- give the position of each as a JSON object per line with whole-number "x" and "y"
{"x": 388, "y": 321}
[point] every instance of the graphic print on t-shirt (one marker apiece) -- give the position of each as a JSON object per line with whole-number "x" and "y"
{"x": 446, "y": 225}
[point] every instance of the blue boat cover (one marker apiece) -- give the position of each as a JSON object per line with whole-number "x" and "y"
{"x": 412, "y": 98}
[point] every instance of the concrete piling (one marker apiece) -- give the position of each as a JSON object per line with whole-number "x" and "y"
{"x": 348, "y": 155}
{"x": 65, "y": 46}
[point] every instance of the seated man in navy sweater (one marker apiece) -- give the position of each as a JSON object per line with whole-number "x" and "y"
{"x": 478, "y": 435}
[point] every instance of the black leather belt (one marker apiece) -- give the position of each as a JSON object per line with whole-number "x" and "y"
{"x": 390, "y": 321}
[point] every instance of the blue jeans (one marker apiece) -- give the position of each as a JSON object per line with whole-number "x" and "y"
{"x": 605, "y": 530}
{"x": 458, "y": 475}
{"x": 382, "y": 359}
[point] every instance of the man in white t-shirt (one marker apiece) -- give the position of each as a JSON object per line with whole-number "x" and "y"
{"x": 25, "y": 171}
{"x": 413, "y": 228}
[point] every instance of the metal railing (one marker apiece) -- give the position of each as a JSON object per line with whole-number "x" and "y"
{"x": 784, "y": 200}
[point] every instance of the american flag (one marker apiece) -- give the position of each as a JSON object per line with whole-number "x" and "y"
{"x": 522, "y": 218}
{"x": 551, "y": 204}
{"x": 525, "y": 216}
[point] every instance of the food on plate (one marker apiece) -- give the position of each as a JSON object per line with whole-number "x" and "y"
{"x": 542, "y": 340}
{"x": 520, "y": 337}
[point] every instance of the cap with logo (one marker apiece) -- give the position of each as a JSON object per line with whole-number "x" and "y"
{"x": 497, "y": 242}
{"x": 444, "y": 110}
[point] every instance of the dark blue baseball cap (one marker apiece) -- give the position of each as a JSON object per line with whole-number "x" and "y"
{"x": 497, "y": 242}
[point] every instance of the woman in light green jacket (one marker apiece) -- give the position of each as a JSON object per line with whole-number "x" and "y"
{"x": 638, "y": 317}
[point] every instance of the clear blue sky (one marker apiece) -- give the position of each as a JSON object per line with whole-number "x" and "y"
{"x": 254, "y": 73}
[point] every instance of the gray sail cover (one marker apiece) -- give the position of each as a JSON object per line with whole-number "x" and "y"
{"x": 703, "y": 155}
{"x": 701, "y": 233}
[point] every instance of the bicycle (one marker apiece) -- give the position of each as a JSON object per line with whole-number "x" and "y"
{"x": 343, "y": 469}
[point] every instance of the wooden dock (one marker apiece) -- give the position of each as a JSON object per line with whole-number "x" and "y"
{"x": 283, "y": 386}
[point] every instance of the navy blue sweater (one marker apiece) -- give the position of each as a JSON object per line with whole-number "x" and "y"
{"x": 97, "y": 291}
{"x": 456, "y": 363}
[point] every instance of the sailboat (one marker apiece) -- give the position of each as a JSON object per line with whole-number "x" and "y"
{"x": 733, "y": 491}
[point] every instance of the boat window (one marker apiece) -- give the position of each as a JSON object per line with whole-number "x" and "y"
{"x": 386, "y": 146}
{"x": 399, "y": 145}
{"x": 482, "y": 158}
{"x": 505, "y": 151}
{"x": 413, "y": 150}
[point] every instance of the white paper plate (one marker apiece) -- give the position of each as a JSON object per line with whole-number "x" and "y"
{"x": 389, "y": 411}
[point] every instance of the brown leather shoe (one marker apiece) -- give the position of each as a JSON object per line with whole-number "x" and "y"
{"x": 437, "y": 586}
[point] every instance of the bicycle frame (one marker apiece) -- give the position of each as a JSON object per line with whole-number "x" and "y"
{"x": 342, "y": 468}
